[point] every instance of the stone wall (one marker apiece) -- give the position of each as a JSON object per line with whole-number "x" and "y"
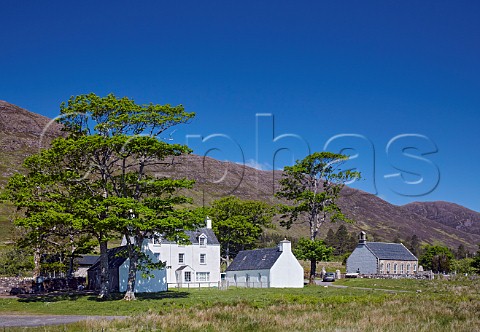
{"x": 16, "y": 286}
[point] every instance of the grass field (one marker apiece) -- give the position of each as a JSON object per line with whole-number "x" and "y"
{"x": 440, "y": 306}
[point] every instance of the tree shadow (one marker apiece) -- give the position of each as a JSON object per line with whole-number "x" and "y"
{"x": 91, "y": 296}
{"x": 52, "y": 297}
{"x": 145, "y": 296}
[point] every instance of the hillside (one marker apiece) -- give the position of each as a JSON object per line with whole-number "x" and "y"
{"x": 449, "y": 214}
{"x": 451, "y": 224}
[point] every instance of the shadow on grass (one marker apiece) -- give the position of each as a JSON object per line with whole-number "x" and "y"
{"x": 90, "y": 296}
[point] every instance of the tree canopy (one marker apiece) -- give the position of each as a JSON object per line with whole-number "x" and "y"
{"x": 238, "y": 224}
{"x": 436, "y": 258}
{"x": 103, "y": 178}
{"x": 312, "y": 187}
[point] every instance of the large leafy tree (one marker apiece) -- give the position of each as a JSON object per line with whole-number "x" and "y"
{"x": 436, "y": 258}
{"x": 101, "y": 177}
{"x": 238, "y": 224}
{"x": 312, "y": 187}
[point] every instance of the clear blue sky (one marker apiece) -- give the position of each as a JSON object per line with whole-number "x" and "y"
{"x": 375, "y": 70}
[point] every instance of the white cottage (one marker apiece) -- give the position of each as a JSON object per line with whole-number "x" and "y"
{"x": 272, "y": 267}
{"x": 196, "y": 264}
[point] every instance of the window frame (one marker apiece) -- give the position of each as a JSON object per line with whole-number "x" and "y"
{"x": 204, "y": 260}
{"x": 181, "y": 258}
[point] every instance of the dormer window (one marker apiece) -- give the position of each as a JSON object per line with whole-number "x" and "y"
{"x": 157, "y": 240}
{"x": 202, "y": 240}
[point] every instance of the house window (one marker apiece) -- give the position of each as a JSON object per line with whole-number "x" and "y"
{"x": 401, "y": 269}
{"x": 259, "y": 277}
{"x": 188, "y": 276}
{"x": 408, "y": 268}
{"x": 203, "y": 258}
{"x": 203, "y": 241}
{"x": 414, "y": 267}
{"x": 203, "y": 276}
{"x": 381, "y": 268}
{"x": 395, "y": 268}
{"x": 388, "y": 267}
{"x": 181, "y": 258}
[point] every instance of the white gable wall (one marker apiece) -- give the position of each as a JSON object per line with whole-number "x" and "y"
{"x": 286, "y": 272}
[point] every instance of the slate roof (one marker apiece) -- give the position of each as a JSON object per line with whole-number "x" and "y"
{"x": 116, "y": 257}
{"x": 391, "y": 251}
{"x": 87, "y": 260}
{"x": 193, "y": 236}
{"x": 258, "y": 259}
{"x": 211, "y": 238}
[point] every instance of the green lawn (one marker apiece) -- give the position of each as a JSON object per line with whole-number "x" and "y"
{"x": 440, "y": 306}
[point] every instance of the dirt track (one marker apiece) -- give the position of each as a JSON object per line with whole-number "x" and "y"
{"x": 44, "y": 320}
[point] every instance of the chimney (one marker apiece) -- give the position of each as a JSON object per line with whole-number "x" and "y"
{"x": 208, "y": 222}
{"x": 285, "y": 245}
{"x": 362, "y": 238}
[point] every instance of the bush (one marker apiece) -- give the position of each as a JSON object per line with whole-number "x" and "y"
{"x": 16, "y": 262}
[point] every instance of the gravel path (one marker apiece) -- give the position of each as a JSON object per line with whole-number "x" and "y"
{"x": 43, "y": 320}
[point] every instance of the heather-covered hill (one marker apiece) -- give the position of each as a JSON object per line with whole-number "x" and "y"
{"x": 449, "y": 214}
{"x": 451, "y": 224}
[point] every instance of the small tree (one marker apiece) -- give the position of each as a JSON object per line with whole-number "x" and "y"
{"x": 436, "y": 258}
{"x": 238, "y": 224}
{"x": 414, "y": 245}
{"x": 313, "y": 186}
{"x": 312, "y": 250}
{"x": 461, "y": 252}
{"x": 476, "y": 261}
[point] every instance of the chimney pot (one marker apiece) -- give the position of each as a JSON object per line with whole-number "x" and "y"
{"x": 208, "y": 222}
{"x": 362, "y": 238}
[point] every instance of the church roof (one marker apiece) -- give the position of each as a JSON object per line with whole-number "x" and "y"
{"x": 390, "y": 251}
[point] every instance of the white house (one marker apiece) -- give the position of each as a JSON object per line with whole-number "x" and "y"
{"x": 196, "y": 264}
{"x": 272, "y": 267}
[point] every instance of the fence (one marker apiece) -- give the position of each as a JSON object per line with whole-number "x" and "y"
{"x": 224, "y": 284}
{"x": 193, "y": 285}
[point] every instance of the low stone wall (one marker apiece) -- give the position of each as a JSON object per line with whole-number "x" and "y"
{"x": 16, "y": 286}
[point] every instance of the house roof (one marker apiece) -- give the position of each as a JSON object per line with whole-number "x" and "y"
{"x": 116, "y": 257}
{"x": 87, "y": 259}
{"x": 259, "y": 259}
{"x": 391, "y": 251}
{"x": 193, "y": 236}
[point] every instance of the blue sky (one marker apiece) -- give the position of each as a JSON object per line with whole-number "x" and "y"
{"x": 398, "y": 74}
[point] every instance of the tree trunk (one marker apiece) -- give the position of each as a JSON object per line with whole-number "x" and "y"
{"x": 132, "y": 277}
{"x": 313, "y": 270}
{"x": 72, "y": 258}
{"x": 104, "y": 272}
{"x": 36, "y": 262}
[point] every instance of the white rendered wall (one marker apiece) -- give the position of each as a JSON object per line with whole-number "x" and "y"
{"x": 286, "y": 272}
{"x": 157, "y": 283}
{"x": 257, "y": 278}
{"x": 169, "y": 253}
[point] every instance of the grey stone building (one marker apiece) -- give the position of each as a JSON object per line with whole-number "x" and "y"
{"x": 381, "y": 258}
